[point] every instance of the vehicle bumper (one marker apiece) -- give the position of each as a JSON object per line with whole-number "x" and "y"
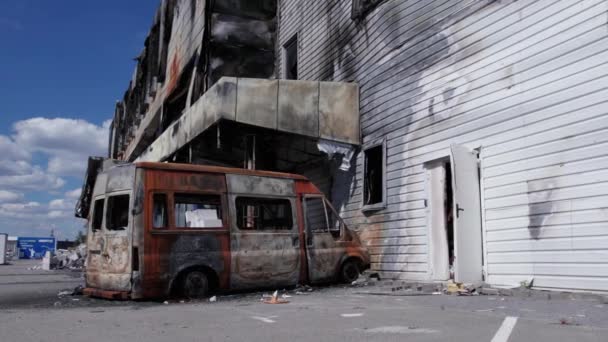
{"x": 106, "y": 294}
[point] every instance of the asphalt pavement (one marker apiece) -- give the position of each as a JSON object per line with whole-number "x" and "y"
{"x": 337, "y": 313}
{"x": 21, "y": 285}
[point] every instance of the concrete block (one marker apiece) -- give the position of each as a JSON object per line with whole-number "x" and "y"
{"x": 299, "y": 107}
{"x": 218, "y": 102}
{"x": 256, "y": 102}
{"x": 339, "y": 112}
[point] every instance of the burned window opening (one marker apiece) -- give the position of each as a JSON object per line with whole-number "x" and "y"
{"x": 177, "y": 103}
{"x": 290, "y": 51}
{"x": 160, "y": 218}
{"x": 169, "y": 12}
{"x": 373, "y": 182}
{"x": 263, "y": 214}
{"x": 117, "y": 215}
{"x": 198, "y": 211}
{"x": 321, "y": 218}
{"x": 97, "y": 215}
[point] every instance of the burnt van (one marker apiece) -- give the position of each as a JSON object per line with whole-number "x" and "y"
{"x": 159, "y": 229}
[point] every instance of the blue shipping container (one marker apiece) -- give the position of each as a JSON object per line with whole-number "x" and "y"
{"x": 34, "y": 248}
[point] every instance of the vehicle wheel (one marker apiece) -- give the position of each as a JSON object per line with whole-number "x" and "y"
{"x": 195, "y": 285}
{"x": 350, "y": 271}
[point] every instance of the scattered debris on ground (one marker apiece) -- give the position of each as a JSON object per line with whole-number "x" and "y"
{"x": 73, "y": 258}
{"x": 274, "y": 299}
{"x": 461, "y": 289}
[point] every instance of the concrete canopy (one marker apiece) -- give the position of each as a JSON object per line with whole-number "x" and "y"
{"x": 319, "y": 110}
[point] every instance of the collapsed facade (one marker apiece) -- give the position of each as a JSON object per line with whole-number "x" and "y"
{"x": 462, "y": 139}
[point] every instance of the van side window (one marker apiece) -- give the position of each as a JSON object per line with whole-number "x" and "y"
{"x": 198, "y": 211}
{"x": 315, "y": 214}
{"x": 320, "y": 216}
{"x": 160, "y": 218}
{"x": 263, "y": 214}
{"x": 97, "y": 215}
{"x": 117, "y": 215}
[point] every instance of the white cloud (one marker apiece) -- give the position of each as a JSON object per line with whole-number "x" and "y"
{"x": 10, "y": 197}
{"x": 12, "y": 150}
{"x": 74, "y": 194}
{"x": 22, "y": 210}
{"x": 30, "y": 217}
{"x": 35, "y": 180}
{"x": 36, "y": 158}
{"x": 14, "y": 167}
{"x": 67, "y": 142}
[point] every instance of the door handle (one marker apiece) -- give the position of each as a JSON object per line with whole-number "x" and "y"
{"x": 458, "y": 210}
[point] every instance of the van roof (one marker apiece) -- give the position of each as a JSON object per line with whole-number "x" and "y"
{"x": 216, "y": 169}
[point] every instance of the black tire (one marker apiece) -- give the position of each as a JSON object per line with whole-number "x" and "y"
{"x": 350, "y": 271}
{"x": 195, "y": 285}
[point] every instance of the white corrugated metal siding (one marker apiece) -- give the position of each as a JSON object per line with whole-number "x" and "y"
{"x": 525, "y": 80}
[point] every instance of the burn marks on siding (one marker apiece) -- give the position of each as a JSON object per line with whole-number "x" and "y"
{"x": 540, "y": 206}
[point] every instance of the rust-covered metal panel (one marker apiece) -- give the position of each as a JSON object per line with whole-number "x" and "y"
{"x": 146, "y": 261}
{"x": 265, "y": 258}
{"x": 170, "y": 251}
{"x": 217, "y": 170}
{"x": 242, "y": 184}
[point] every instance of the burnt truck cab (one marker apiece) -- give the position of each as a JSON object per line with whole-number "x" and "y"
{"x": 158, "y": 229}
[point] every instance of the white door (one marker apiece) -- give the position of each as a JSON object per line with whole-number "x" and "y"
{"x": 467, "y": 215}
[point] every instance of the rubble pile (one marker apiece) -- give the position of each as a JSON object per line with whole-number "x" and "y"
{"x": 73, "y": 258}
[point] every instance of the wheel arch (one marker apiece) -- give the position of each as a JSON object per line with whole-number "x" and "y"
{"x": 176, "y": 280}
{"x": 356, "y": 257}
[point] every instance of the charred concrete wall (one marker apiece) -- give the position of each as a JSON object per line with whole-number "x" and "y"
{"x": 523, "y": 80}
{"x": 192, "y": 43}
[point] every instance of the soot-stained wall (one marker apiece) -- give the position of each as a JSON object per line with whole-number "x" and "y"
{"x": 192, "y": 43}
{"x": 524, "y": 81}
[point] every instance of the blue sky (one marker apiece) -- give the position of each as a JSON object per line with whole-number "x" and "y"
{"x": 63, "y": 66}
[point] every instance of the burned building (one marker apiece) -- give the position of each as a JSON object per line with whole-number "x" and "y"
{"x": 462, "y": 139}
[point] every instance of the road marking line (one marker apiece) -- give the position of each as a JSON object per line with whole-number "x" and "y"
{"x": 263, "y": 319}
{"x": 351, "y": 315}
{"x": 503, "y": 333}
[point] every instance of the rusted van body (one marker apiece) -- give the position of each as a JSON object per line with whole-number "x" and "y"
{"x": 156, "y": 229}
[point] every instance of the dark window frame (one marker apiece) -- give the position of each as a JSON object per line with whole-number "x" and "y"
{"x": 367, "y": 205}
{"x": 98, "y": 226}
{"x": 167, "y": 200}
{"x": 111, "y": 224}
{"x": 334, "y": 223}
{"x": 253, "y": 201}
{"x": 174, "y": 201}
{"x": 292, "y": 43}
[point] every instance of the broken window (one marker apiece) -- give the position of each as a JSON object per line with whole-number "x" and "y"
{"x": 263, "y": 214}
{"x": 160, "y": 217}
{"x": 362, "y": 7}
{"x": 320, "y": 217}
{"x": 117, "y": 215}
{"x": 97, "y": 215}
{"x": 198, "y": 211}
{"x": 373, "y": 181}
{"x": 290, "y": 51}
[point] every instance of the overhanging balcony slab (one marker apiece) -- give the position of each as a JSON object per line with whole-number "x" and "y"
{"x": 319, "y": 110}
